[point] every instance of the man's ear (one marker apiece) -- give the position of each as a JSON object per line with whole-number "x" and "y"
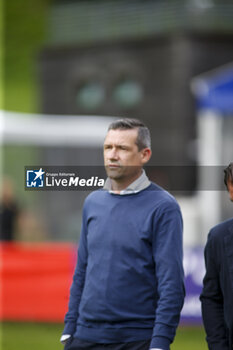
{"x": 146, "y": 154}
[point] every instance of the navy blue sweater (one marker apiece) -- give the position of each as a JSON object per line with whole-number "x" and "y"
{"x": 128, "y": 283}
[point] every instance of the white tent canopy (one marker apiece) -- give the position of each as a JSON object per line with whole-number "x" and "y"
{"x": 52, "y": 130}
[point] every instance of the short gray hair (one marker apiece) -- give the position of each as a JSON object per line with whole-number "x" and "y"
{"x": 143, "y": 139}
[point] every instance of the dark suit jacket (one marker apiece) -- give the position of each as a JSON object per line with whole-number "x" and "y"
{"x": 217, "y": 294}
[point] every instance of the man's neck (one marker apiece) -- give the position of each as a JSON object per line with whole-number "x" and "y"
{"x": 118, "y": 186}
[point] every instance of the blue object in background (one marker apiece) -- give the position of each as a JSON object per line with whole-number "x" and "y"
{"x": 194, "y": 268}
{"x": 214, "y": 90}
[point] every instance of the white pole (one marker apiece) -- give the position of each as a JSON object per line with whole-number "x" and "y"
{"x": 210, "y": 125}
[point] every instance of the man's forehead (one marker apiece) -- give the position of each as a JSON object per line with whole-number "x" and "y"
{"x": 125, "y": 135}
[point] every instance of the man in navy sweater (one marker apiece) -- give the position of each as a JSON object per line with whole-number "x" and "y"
{"x": 127, "y": 290}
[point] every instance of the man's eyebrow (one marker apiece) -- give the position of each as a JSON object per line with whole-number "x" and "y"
{"x": 117, "y": 145}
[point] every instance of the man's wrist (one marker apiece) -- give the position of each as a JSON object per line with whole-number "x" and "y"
{"x": 159, "y": 342}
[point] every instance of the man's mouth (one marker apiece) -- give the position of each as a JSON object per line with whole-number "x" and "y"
{"x": 113, "y": 166}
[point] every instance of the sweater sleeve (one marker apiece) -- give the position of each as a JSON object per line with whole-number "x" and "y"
{"x": 168, "y": 256}
{"x": 78, "y": 282}
{"x": 212, "y": 300}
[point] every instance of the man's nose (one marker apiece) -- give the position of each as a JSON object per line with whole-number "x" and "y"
{"x": 113, "y": 154}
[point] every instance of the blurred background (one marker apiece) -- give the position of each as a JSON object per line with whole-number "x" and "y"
{"x": 70, "y": 67}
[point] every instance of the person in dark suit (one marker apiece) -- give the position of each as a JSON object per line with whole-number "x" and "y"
{"x": 217, "y": 293}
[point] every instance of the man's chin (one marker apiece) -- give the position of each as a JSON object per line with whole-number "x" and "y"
{"x": 114, "y": 175}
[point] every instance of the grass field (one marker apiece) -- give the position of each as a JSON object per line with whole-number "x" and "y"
{"x": 44, "y": 336}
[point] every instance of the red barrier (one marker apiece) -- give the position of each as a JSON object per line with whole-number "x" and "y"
{"x": 35, "y": 280}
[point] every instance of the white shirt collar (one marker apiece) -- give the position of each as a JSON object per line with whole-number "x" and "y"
{"x": 138, "y": 185}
